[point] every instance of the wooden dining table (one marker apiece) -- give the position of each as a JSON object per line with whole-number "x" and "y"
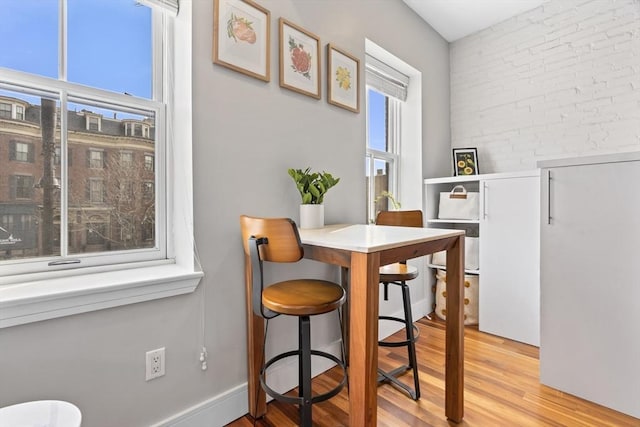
{"x": 360, "y": 250}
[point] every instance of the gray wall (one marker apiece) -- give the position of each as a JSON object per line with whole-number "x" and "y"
{"x": 246, "y": 134}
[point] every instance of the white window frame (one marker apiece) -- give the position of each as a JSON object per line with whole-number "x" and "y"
{"x": 26, "y": 298}
{"x": 391, "y": 156}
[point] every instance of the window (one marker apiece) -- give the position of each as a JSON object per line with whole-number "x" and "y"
{"x": 32, "y": 68}
{"x": 21, "y": 187}
{"x": 96, "y": 190}
{"x": 57, "y": 159}
{"x": 394, "y": 148}
{"x": 96, "y": 234}
{"x": 386, "y": 91}
{"x": 75, "y": 99}
{"x": 96, "y": 159}
{"x": 148, "y": 162}
{"x": 21, "y": 152}
{"x": 93, "y": 123}
{"x": 126, "y": 159}
{"x": 147, "y": 190}
{"x": 5, "y": 111}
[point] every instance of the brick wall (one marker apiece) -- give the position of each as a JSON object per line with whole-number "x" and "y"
{"x": 562, "y": 79}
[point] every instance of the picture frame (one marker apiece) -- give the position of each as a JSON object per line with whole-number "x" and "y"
{"x": 299, "y": 59}
{"x": 465, "y": 161}
{"x": 242, "y": 37}
{"x": 343, "y": 79}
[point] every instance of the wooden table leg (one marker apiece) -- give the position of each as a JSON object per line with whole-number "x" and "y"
{"x": 363, "y": 339}
{"x": 344, "y": 281}
{"x": 454, "y": 376}
{"x": 255, "y": 341}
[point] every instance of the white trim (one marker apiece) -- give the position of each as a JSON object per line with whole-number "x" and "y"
{"x": 220, "y": 410}
{"x": 28, "y": 302}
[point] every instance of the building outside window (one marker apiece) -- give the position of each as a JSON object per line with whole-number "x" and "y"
{"x": 19, "y": 112}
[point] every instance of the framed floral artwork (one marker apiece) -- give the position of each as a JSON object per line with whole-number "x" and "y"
{"x": 465, "y": 161}
{"x": 241, "y": 37}
{"x": 343, "y": 78}
{"x": 299, "y": 59}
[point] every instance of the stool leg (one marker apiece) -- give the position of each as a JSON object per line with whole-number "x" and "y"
{"x": 411, "y": 347}
{"x": 304, "y": 364}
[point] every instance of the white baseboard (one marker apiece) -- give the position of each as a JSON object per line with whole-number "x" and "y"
{"x": 226, "y": 407}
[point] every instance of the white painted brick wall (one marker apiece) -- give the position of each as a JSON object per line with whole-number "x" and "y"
{"x": 562, "y": 79}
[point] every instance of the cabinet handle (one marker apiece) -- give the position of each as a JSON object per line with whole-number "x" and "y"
{"x": 484, "y": 201}
{"x": 549, "y": 178}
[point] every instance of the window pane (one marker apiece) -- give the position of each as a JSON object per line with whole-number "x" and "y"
{"x": 29, "y": 181}
{"x": 377, "y": 121}
{"x": 107, "y": 212}
{"x": 29, "y": 34}
{"x": 109, "y": 44}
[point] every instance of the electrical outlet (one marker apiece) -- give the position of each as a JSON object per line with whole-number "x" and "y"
{"x": 155, "y": 363}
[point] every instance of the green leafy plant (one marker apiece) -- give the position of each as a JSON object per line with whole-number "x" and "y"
{"x": 386, "y": 194}
{"x": 312, "y": 185}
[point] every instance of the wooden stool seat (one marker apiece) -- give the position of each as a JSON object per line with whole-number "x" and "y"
{"x": 397, "y": 272}
{"x": 303, "y": 297}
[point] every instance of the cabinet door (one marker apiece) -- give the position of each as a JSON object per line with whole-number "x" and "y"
{"x": 590, "y": 292}
{"x": 509, "y": 300}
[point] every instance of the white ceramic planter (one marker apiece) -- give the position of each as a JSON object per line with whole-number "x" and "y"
{"x": 311, "y": 216}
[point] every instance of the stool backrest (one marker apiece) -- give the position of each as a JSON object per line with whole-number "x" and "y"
{"x": 268, "y": 239}
{"x": 400, "y": 218}
{"x": 282, "y": 234}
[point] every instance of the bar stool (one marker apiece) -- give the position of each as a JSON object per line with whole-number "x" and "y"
{"x": 277, "y": 240}
{"x": 398, "y": 274}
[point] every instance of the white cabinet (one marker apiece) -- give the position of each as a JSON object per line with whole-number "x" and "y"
{"x": 509, "y": 258}
{"x": 590, "y": 291}
{"x": 508, "y": 231}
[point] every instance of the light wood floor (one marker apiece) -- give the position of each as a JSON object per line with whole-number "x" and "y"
{"x": 501, "y": 389}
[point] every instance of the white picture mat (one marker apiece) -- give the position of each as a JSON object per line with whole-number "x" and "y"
{"x": 252, "y": 57}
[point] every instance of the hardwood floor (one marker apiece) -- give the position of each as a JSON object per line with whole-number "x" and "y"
{"x": 501, "y": 389}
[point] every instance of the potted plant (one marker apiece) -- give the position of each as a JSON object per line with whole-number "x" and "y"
{"x": 312, "y": 187}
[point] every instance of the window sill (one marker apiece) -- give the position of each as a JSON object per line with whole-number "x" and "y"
{"x": 38, "y": 300}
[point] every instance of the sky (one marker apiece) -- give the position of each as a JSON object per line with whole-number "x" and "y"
{"x": 108, "y": 42}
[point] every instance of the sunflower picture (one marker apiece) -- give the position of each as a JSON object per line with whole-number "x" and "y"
{"x": 465, "y": 161}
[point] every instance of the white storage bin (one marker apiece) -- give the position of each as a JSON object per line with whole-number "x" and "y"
{"x": 459, "y": 204}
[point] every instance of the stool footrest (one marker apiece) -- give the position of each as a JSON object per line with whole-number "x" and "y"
{"x": 391, "y": 376}
{"x": 416, "y": 333}
{"x": 299, "y": 400}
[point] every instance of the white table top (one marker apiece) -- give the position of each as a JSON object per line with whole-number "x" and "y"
{"x": 371, "y": 238}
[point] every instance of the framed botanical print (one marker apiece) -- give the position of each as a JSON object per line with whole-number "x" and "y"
{"x": 299, "y": 59}
{"x": 343, "y": 79}
{"x": 465, "y": 161}
{"x": 241, "y": 37}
